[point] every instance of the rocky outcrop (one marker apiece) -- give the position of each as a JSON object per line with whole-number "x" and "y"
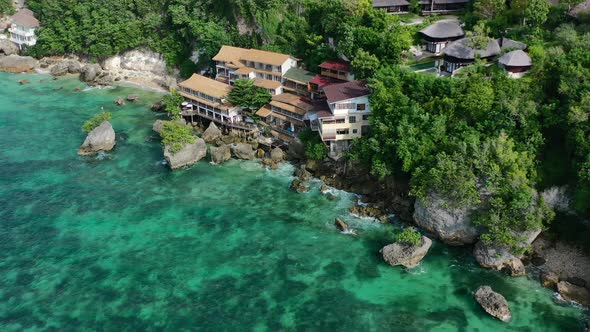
{"x": 90, "y": 72}
{"x": 140, "y": 66}
{"x": 189, "y": 155}
{"x": 66, "y": 67}
{"x": 405, "y": 254}
{"x": 17, "y": 64}
{"x": 277, "y": 155}
{"x": 7, "y": 47}
{"x": 212, "y": 133}
{"x": 296, "y": 150}
{"x": 102, "y": 138}
{"x": 498, "y": 258}
{"x": 493, "y": 303}
{"x": 158, "y": 125}
{"x": 549, "y": 279}
{"x": 451, "y": 225}
{"x": 220, "y": 154}
{"x": 341, "y": 225}
{"x": 574, "y": 293}
{"x": 303, "y": 174}
{"x": 242, "y": 151}
{"x": 501, "y": 258}
{"x": 119, "y": 101}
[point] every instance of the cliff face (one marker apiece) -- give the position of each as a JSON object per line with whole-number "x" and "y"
{"x": 140, "y": 66}
{"x": 451, "y": 225}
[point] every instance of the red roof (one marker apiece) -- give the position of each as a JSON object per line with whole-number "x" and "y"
{"x": 348, "y": 90}
{"x": 322, "y": 81}
{"x": 336, "y": 65}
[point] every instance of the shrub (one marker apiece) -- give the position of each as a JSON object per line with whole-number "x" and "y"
{"x": 314, "y": 147}
{"x": 175, "y": 135}
{"x": 409, "y": 236}
{"x": 96, "y": 121}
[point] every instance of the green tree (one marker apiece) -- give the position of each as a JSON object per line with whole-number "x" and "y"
{"x": 96, "y": 121}
{"x": 409, "y": 236}
{"x": 176, "y": 135}
{"x": 489, "y": 9}
{"x": 6, "y": 7}
{"x": 246, "y": 94}
{"x": 364, "y": 64}
{"x": 172, "y": 103}
{"x": 536, "y": 12}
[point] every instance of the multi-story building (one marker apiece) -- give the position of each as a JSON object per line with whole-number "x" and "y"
{"x": 205, "y": 98}
{"x": 438, "y": 35}
{"x": 346, "y": 116}
{"x": 265, "y": 68}
{"x": 23, "y": 26}
{"x": 297, "y": 82}
{"x": 287, "y": 114}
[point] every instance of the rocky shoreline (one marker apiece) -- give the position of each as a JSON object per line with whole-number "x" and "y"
{"x": 141, "y": 67}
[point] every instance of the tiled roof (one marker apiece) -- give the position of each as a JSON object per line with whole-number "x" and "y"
{"x": 288, "y": 107}
{"x": 463, "y": 49}
{"x": 338, "y": 92}
{"x": 229, "y": 54}
{"x": 336, "y": 65}
{"x": 443, "y": 29}
{"x": 389, "y": 3}
{"x": 25, "y": 18}
{"x": 266, "y": 57}
{"x": 207, "y": 86}
{"x": 267, "y": 84}
{"x": 291, "y": 99}
{"x": 516, "y": 58}
{"x": 583, "y": 7}
{"x": 299, "y": 75}
{"x": 322, "y": 81}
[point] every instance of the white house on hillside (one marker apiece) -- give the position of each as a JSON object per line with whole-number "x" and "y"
{"x": 346, "y": 116}
{"x": 23, "y": 26}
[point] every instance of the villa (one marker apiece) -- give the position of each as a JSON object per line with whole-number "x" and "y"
{"x": 438, "y": 35}
{"x": 346, "y": 116}
{"x": 393, "y": 6}
{"x": 516, "y": 63}
{"x": 205, "y": 99}
{"x": 23, "y": 26}
{"x": 462, "y": 53}
{"x": 267, "y": 69}
{"x": 331, "y": 72}
{"x": 297, "y": 82}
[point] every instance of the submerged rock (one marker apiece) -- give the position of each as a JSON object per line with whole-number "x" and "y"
{"x": 102, "y": 138}
{"x": 341, "y": 225}
{"x": 220, "y": 154}
{"x": 133, "y": 98}
{"x": 493, "y": 303}
{"x": 451, "y": 225}
{"x": 299, "y": 186}
{"x": 120, "y": 101}
{"x": 405, "y": 254}
{"x": 574, "y": 293}
{"x": 189, "y": 155}
{"x": 212, "y": 133}
{"x": 242, "y": 151}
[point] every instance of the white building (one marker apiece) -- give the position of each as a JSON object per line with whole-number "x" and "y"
{"x": 23, "y": 26}
{"x": 265, "y": 68}
{"x": 346, "y": 116}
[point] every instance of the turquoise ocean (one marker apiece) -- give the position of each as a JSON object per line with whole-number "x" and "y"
{"x": 117, "y": 242}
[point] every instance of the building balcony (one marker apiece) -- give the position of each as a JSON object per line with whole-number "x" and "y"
{"x": 21, "y": 32}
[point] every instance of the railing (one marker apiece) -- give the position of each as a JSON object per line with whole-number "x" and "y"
{"x": 238, "y": 125}
{"x": 286, "y": 132}
{"x": 21, "y": 32}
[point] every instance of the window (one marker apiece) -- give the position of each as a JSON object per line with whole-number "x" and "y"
{"x": 355, "y": 131}
{"x": 352, "y": 119}
{"x": 342, "y": 132}
{"x": 366, "y": 117}
{"x": 347, "y": 106}
{"x": 361, "y": 107}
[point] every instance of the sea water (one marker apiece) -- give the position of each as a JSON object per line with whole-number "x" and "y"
{"x": 117, "y": 242}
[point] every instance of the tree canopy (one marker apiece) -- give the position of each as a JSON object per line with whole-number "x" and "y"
{"x": 246, "y": 94}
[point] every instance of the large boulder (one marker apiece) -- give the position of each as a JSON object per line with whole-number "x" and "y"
{"x": 17, "y": 64}
{"x": 501, "y": 258}
{"x": 574, "y": 293}
{"x": 405, "y": 254}
{"x": 7, "y": 47}
{"x": 242, "y": 151}
{"x": 303, "y": 174}
{"x": 187, "y": 156}
{"x": 66, "y": 67}
{"x": 498, "y": 258}
{"x": 90, "y": 72}
{"x": 549, "y": 279}
{"x": 220, "y": 154}
{"x": 212, "y": 133}
{"x": 451, "y": 225}
{"x": 101, "y": 138}
{"x": 277, "y": 155}
{"x": 493, "y": 303}
{"x": 299, "y": 186}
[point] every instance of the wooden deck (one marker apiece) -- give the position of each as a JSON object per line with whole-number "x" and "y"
{"x": 237, "y": 125}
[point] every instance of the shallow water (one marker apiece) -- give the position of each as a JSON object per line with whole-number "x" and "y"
{"x": 118, "y": 242}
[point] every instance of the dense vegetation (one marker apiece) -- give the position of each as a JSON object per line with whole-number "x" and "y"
{"x": 6, "y": 7}
{"x": 479, "y": 140}
{"x": 176, "y": 135}
{"x": 172, "y": 103}
{"x": 409, "y": 236}
{"x": 96, "y": 121}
